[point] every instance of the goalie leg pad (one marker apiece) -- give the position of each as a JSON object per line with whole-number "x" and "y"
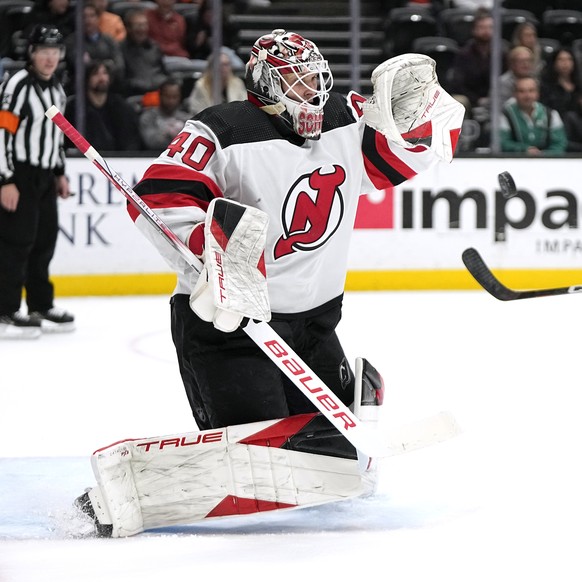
{"x": 179, "y": 479}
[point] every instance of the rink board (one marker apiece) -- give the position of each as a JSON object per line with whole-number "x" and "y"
{"x": 409, "y": 237}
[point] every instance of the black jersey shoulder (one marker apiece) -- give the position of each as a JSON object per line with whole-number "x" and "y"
{"x": 336, "y": 113}
{"x": 242, "y": 122}
{"x": 239, "y": 122}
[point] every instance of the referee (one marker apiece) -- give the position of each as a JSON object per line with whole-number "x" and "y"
{"x": 32, "y": 175}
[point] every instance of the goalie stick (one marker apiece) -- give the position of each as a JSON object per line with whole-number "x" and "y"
{"x": 483, "y": 275}
{"x": 361, "y": 436}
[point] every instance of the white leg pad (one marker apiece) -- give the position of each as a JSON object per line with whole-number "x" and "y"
{"x": 184, "y": 478}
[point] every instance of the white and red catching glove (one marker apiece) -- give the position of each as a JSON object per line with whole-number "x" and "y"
{"x": 410, "y": 107}
{"x": 233, "y": 282}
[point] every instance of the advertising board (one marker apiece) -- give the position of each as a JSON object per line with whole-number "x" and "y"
{"x": 408, "y": 237}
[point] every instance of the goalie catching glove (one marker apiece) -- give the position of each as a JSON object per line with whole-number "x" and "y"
{"x": 409, "y": 106}
{"x": 233, "y": 282}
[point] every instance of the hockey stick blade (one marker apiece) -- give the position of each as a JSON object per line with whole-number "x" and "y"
{"x": 423, "y": 433}
{"x": 360, "y": 435}
{"x": 483, "y": 275}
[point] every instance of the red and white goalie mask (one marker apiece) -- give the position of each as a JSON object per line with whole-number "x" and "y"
{"x": 288, "y": 76}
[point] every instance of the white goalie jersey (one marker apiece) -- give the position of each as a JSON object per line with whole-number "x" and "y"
{"x": 308, "y": 188}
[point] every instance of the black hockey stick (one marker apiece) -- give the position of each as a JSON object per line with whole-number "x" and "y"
{"x": 483, "y": 275}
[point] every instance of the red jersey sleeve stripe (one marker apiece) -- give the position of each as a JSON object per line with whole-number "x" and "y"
{"x": 379, "y": 180}
{"x": 167, "y": 201}
{"x": 392, "y": 159}
{"x": 169, "y": 172}
{"x": 383, "y": 166}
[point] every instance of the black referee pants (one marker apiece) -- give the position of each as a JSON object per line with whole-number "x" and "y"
{"x": 28, "y": 239}
{"x": 229, "y": 380}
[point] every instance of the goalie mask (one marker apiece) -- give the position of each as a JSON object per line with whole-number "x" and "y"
{"x": 288, "y": 76}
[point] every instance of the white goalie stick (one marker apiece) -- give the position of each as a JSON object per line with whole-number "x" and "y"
{"x": 362, "y": 437}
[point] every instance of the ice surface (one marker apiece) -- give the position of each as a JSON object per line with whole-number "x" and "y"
{"x": 501, "y": 502}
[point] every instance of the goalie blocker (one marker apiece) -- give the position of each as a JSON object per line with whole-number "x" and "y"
{"x": 233, "y": 282}
{"x": 287, "y": 463}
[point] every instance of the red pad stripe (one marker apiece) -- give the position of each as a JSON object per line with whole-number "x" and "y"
{"x": 277, "y": 434}
{"x": 261, "y": 266}
{"x": 455, "y": 137}
{"x": 416, "y": 149}
{"x": 232, "y": 505}
{"x": 420, "y": 132}
{"x": 218, "y": 234}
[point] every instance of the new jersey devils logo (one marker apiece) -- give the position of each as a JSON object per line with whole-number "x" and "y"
{"x": 312, "y": 211}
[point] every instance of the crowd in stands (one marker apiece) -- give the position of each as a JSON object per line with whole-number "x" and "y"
{"x": 133, "y": 100}
{"x": 132, "y": 88}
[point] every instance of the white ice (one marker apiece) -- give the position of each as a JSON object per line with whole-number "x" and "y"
{"x": 500, "y": 502}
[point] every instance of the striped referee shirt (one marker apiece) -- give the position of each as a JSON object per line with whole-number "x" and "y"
{"x": 26, "y": 134}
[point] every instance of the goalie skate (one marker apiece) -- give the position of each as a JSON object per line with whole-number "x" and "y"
{"x": 84, "y": 504}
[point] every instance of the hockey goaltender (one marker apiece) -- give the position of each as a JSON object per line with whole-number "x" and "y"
{"x": 264, "y": 192}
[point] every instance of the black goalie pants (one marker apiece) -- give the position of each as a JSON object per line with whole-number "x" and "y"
{"x": 228, "y": 379}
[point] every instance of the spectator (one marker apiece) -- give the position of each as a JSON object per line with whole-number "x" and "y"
{"x": 526, "y": 34}
{"x": 470, "y": 72}
{"x": 233, "y": 87}
{"x": 573, "y": 127}
{"x": 561, "y": 86}
{"x": 57, "y": 13}
{"x": 111, "y": 124}
{"x": 528, "y": 126}
{"x": 109, "y": 22}
{"x": 98, "y": 47}
{"x": 520, "y": 62}
{"x": 143, "y": 58}
{"x": 200, "y": 37}
{"x": 159, "y": 125}
{"x": 168, "y": 28}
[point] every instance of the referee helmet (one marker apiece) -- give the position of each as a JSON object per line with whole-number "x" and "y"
{"x": 45, "y": 35}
